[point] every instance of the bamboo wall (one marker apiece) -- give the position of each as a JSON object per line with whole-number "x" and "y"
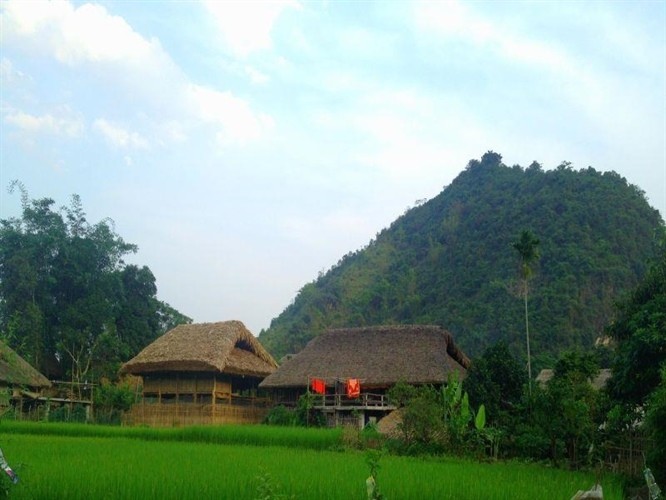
{"x": 183, "y": 414}
{"x": 182, "y": 398}
{"x": 187, "y": 384}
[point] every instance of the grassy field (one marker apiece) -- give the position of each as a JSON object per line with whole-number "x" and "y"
{"x": 258, "y": 435}
{"x": 126, "y": 465}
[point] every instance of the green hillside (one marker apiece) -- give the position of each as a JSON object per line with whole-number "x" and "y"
{"x": 450, "y": 262}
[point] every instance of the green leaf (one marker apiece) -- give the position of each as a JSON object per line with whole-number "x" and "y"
{"x": 465, "y": 412}
{"x": 480, "y": 419}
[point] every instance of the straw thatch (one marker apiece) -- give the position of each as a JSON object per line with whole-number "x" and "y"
{"x": 16, "y": 371}
{"x": 390, "y": 424}
{"x": 224, "y": 347}
{"x": 379, "y": 356}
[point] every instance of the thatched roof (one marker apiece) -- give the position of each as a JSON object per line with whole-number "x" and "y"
{"x": 390, "y": 424}
{"x": 379, "y": 356}
{"x": 15, "y": 371}
{"x": 598, "y": 382}
{"x": 226, "y": 347}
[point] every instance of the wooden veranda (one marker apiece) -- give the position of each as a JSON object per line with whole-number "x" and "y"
{"x": 339, "y": 409}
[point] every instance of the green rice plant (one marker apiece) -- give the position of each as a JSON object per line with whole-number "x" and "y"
{"x": 254, "y": 435}
{"x": 128, "y": 468}
{"x": 267, "y": 489}
{"x": 372, "y": 458}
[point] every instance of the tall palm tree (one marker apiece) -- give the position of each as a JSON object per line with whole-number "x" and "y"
{"x": 527, "y": 248}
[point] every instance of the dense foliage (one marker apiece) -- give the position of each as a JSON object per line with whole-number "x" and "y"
{"x": 557, "y": 421}
{"x": 567, "y": 420}
{"x": 656, "y": 430}
{"x": 450, "y": 262}
{"x": 562, "y": 417}
{"x": 640, "y": 332}
{"x": 68, "y": 302}
{"x": 438, "y": 420}
{"x": 638, "y": 385}
{"x": 496, "y": 380}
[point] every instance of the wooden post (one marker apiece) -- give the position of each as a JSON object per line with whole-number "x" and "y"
{"x": 214, "y": 399}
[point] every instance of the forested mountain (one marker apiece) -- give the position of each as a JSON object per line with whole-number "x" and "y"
{"x": 450, "y": 262}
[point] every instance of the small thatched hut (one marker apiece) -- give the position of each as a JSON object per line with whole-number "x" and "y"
{"x": 20, "y": 384}
{"x": 16, "y": 373}
{"x": 378, "y": 356}
{"x": 201, "y": 373}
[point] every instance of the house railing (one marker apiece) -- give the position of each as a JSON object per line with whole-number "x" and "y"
{"x": 366, "y": 399}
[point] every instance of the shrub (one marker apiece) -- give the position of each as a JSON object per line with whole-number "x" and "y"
{"x": 111, "y": 401}
{"x": 280, "y": 415}
{"x": 371, "y": 438}
{"x": 304, "y": 413}
{"x": 66, "y": 413}
{"x": 351, "y": 437}
{"x": 422, "y": 422}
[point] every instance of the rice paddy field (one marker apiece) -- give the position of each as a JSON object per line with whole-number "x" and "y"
{"x": 85, "y": 462}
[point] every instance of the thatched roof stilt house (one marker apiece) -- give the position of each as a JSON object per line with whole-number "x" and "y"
{"x": 377, "y": 356}
{"x": 201, "y": 373}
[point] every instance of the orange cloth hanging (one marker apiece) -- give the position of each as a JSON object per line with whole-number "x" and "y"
{"x": 318, "y": 386}
{"x": 353, "y": 388}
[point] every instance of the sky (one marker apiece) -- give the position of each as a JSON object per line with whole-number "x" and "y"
{"x": 245, "y": 147}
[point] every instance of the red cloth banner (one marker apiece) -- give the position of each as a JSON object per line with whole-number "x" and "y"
{"x": 353, "y": 388}
{"x": 318, "y": 386}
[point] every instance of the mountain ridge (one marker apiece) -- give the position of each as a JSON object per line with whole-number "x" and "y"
{"x": 449, "y": 262}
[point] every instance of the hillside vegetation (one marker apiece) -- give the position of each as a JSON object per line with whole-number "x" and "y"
{"x": 450, "y": 262}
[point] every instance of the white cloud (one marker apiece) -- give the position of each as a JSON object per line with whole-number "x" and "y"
{"x": 371, "y": 45}
{"x": 256, "y": 76}
{"x": 63, "y": 122}
{"x": 172, "y": 131}
{"x": 8, "y": 73}
{"x": 74, "y": 35}
{"x": 447, "y": 19}
{"x": 570, "y": 74}
{"x": 403, "y": 135}
{"x": 602, "y": 97}
{"x": 118, "y": 136}
{"x": 246, "y": 26}
{"x": 239, "y": 123}
{"x": 453, "y": 19}
{"x": 90, "y": 35}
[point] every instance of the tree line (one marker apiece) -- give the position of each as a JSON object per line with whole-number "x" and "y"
{"x": 69, "y": 304}
{"x": 569, "y": 421}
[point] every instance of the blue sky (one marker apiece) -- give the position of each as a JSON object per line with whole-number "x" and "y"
{"x": 247, "y": 146}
